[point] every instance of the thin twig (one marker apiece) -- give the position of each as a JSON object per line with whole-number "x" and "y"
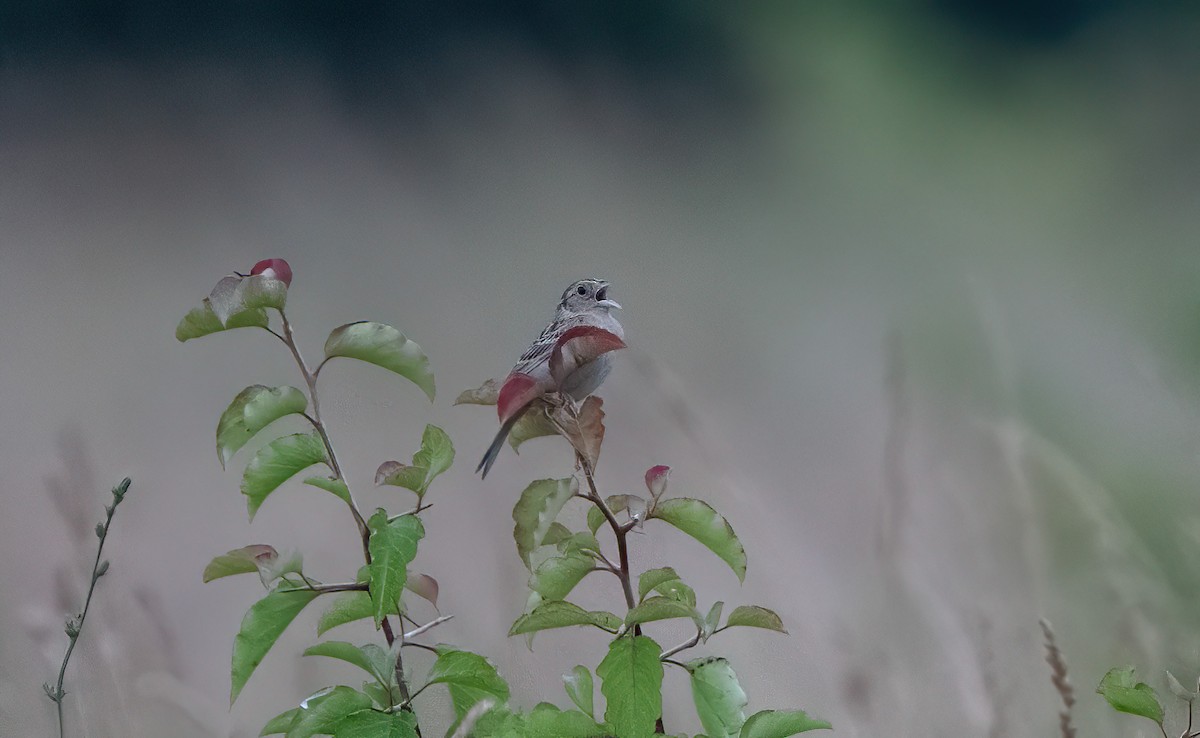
{"x": 75, "y": 622}
{"x": 689, "y": 643}
{"x": 427, "y": 626}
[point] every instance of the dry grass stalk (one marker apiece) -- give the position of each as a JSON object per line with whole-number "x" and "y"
{"x": 1060, "y": 678}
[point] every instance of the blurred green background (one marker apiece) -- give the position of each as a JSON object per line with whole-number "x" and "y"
{"x": 910, "y": 288}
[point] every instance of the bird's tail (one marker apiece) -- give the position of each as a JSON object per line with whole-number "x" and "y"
{"x": 489, "y": 457}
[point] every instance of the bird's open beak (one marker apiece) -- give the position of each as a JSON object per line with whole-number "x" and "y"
{"x": 610, "y": 304}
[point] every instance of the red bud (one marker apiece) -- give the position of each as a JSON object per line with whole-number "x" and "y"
{"x": 279, "y": 269}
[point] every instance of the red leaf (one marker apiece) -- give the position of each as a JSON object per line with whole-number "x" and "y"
{"x": 579, "y": 345}
{"x": 280, "y": 269}
{"x": 518, "y": 391}
{"x": 656, "y": 480}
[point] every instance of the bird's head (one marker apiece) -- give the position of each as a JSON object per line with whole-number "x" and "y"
{"x": 587, "y": 295}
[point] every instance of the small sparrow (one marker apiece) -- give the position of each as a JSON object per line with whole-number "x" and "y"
{"x": 570, "y": 356}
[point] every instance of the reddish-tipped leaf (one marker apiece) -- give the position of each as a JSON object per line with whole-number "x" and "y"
{"x": 276, "y": 268}
{"x": 579, "y": 345}
{"x": 518, "y": 391}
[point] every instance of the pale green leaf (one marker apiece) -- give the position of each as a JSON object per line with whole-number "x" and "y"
{"x": 585, "y": 543}
{"x": 280, "y": 723}
{"x": 277, "y": 462}
{"x": 322, "y": 711}
{"x": 384, "y": 346}
{"x": 718, "y": 695}
{"x": 254, "y": 408}
{"x": 595, "y": 519}
{"x": 555, "y": 577}
{"x": 659, "y": 608}
{"x": 754, "y": 616}
{"x": 261, "y": 627}
{"x": 1122, "y": 690}
{"x": 578, "y": 683}
{"x": 703, "y": 523}
{"x": 631, "y": 680}
{"x": 202, "y": 321}
{"x": 370, "y": 658}
{"x": 347, "y": 608}
{"x": 332, "y": 485}
{"x": 561, "y": 614}
{"x": 781, "y": 724}
{"x": 260, "y": 291}
{"x": 711, "y": 620}
{"x": 536, "y": 511}
{"x": 534, "y": 423}
{"x": 375, "y": 724}
{"x": 470, "y": 678}
{"x": 393, "y": 546}
{"x": 547, "y": 721}
{"x": 434, "y": 457}
{"x": 651, "y": 579}
{"x": 557, "y": 534}
{"x": 244, "y": 560}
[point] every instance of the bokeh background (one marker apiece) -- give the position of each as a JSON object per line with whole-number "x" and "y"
{"x": 911, "y": 290}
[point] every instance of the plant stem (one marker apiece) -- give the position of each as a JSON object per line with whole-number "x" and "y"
{"x": 689, "y": 643}
{"x": 73, "y": 633}
{"x": 310, "y": 380}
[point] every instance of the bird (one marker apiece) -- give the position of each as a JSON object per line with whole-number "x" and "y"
{"x": 570, "y": 356}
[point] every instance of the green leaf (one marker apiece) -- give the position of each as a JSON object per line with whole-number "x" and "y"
{"x": 754, "y": 616}
{"x": 280, "y": 723}
{"x": 322, "y": 711}
{"x": 718, "y": 695}
{"x": 202, "y": 321}
{"x": 347, "y": 608}
{"x": 259, "y": 291}
{"x": 781, "y": 724}
{"x": 536, "y": 511}
{"x": 254, "y": 408}
{"x": 578, "y": 683}
{"x": 631, "y": 680}
{"x": 584, "y": 543}
{"x": 1126, "y": 694}
{"x": 382, "y": 345}
{"x": 561, "y": 614}
{"x": 244, "y": 560}
{"x": 370, "y": 658}
{"x": 261, "y": 627}
{"x": 660, "y": 608}
{"x": 711, "y": 620}
{"x": 547, "y": 721}
{"x": 535, "y": 423}
{"x": 1178, "y": 689}
{"x": 557, "y": 576}
{"x": 277, "y": 462}
{"x": 675, "y": 589}
{"x": 595, "y": 519}
{"x": 393, "y": 546}
{"x": 435, "y": 457}
{"x": 650, "y": 580}
{"x": 706, "y": 525}
{"x": 374, "y": 724}
{"x": 332, "y": 485}
{"x": 470, "y": 678}
{"x": 557, "y": 534}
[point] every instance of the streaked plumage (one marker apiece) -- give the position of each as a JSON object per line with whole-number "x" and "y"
{"x": 584, "y": 318}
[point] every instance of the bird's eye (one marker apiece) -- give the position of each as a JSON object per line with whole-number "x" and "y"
{"x": 581, "y": 290}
